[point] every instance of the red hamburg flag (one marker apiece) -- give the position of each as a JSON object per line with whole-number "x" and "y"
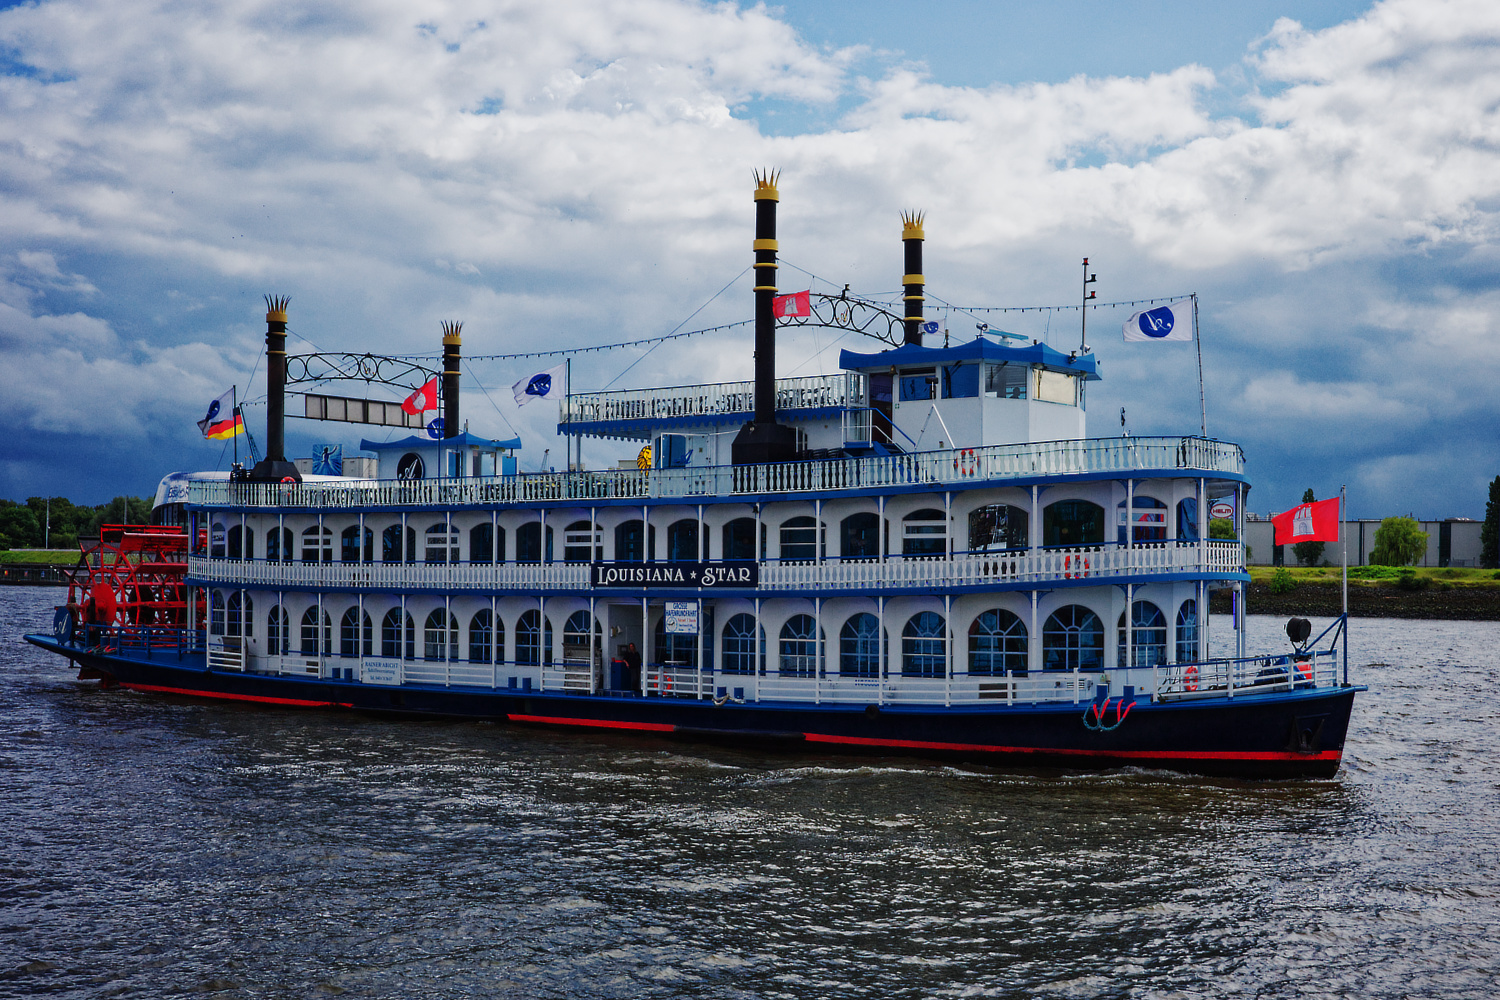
{"x": 1311, "y": 522}
{"x": 423, "y": 399}
{"x": 797, "y": 305}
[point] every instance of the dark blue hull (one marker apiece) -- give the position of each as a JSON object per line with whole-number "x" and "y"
{"x": 1290, "y": 734}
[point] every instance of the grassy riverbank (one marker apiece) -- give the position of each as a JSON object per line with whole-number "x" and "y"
{"x": 40, "y": 557}
{"x": 1453, "y": 593}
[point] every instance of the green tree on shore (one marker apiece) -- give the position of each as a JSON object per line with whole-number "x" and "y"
{"x": 1399, "y": 541}
{"x": 1489, "y": 532}
{"x": 1308, "y": 553}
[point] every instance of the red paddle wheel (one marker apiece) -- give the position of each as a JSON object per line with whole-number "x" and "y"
{"x": 131, "y": 577}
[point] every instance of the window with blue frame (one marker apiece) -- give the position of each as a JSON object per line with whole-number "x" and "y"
{"x": 482, "y": 543}
{"x": 859, "y": 646}
{"x": 1187, "y": 632}
{"x": 1073, "y": 522}
{"x": 924, "y": 645}
{"x": 1148, "y": 636}
{"x": 277, "y": 631}
{"x": 744, "y": 645}
{"x": 682, "y": 540}
{"x": 960, "y": 381}
{"x": 996, "y": 527}
{"x": 630, "y": 541}
{"x": 1149, "y": 516}
{"x": 799, "y": 647}
{"x": 481, "y": 636}
{"x": 1073, "y": 639}
{"x": 859, "y": 536}
{"x": 1006, "y": 380}
{"x": 997, "y": 643}
{"x": 739, "y": 539}
{"x": 533, "y": 638}
{"x": 917, "y": 383}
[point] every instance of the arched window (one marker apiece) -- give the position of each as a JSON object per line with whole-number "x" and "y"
{"x": 240, "y": 613}
{"x": 216, "y": 540}
{"x": 578, "y": 644}
{"x": 391, "y": 549}
{"x": 997, "y": 643}
{"x": 442, "y": 543}
{"x": 1073, "y": 522}
{"x": 1187, "y": 632}
{"x": 859, "y": 646}
{"x": 924, "y": 533}
{"x": 216, "y": 612}
{"x": 241, "y": 542}
{"x": 482, "y": 543}
{"x": 279, "y": 545}
{"x": 924, "y": 645}
{"x": 799, "y": 539}
{"x": 440, "y": 636}
{"x": 317, "y": 544}
{"x": 314, "y": 644}
{"x": 1149, "y": 516}
{"x": 350, "y": 549}
{"x": 534, "y": 639}
{"x": 583, "y": 542}
{"x": 354, "y": 633}
{"x": 1073, "y": 639}
{"x": 859, "y": 536}
{"x": 529, "y": 543}
{"x": 997, "y": 527}
{"x": 482, "y": 636}
{"x": 739, "y": 539}
{"x": 277, "y": 631}
{"x": 1187, "y": 520}
{"x": 630, "y": 542}
{"x": 799, "y": 647}
{"x": 1148, "y": 636}
{"x": 744, "y": 645}
{"x": 682, "y": 541}
{"x": 390, "y": 634}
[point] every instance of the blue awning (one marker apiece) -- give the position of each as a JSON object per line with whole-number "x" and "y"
{"x": 979, "y": 349}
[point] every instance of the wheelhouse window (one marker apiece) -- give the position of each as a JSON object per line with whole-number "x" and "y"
{"x": 583, "y": 542}
{"x": 924, "y": 645}
{"x": 960, "y": 381}
{"x": 859, "y": 646}
{"x": 997, "y": 643}
{"x": 1073, "y": 522}
{"x": 1148, "y": 636}
{"x": 1073, "y": 639}
{"x": 997, "y": 527}
{"x": 859, "y": 536}
{"x": 1006, "y": 380}
{"x": 924, "y": 533}
{"x": 1056, "y": 387}
{"x": 918, "y": 383}
{"x": 739, "y": 539}
{"x": 1148, "y": 516}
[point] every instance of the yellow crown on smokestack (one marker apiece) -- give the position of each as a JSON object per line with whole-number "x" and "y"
{"x": 451, "y": 331}
{"x": 911, "y": 226}
{"x": 765, "y": 184}
{"x": 276, "y": 308}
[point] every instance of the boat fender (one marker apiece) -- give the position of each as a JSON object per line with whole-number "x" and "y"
{"x": 1190, "y": 679}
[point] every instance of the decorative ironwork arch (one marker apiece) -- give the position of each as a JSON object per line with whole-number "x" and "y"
{"x": 845, "y": 312}
{"x": 376, "y": 368}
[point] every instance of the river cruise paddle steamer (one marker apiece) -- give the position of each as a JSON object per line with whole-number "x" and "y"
{"x": 922, "y": 553}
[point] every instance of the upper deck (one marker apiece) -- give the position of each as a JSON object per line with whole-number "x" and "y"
{"x": 953, "y": 468}
{"x": 636, "y": 413}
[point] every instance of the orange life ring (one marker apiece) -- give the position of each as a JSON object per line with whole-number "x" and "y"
{"x": 1305, "y": 669}
{"x": 1190, "y": 679}
{"x": 1083, "y": 568}
{"x": 964, "y": 463}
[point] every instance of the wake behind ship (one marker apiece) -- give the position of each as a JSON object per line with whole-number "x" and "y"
{"x": 921, "y": 553}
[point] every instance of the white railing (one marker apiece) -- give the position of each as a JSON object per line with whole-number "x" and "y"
{"x": 956, "y": 467}
{"x": 1084, "y": 563}
{"x": 845, "y": 389}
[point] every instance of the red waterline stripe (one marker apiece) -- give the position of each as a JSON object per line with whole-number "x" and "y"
{"x": 299, "y": 702}
{"x": 650, "y": 727}
{"x": 1134, "y": 754}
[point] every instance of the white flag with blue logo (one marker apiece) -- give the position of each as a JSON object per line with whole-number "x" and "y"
{"x": 1170, "y": 322}
{"x": 542, "y": 385}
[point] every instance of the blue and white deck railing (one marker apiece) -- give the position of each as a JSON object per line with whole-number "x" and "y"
{"x": 1217, "y": 678}
{"x": 954, "y": 467}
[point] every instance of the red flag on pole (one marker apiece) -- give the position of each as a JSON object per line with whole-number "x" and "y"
{"x": 797, "y": 305}
{"x": 423, "y": 399}
{"x": 1311, "y": 522}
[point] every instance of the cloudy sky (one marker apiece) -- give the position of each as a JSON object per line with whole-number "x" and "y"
{"x": 1324, "y": 175}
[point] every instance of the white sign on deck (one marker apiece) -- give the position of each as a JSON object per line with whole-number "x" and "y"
{"x": 682, "y": 618}
{"x": 380, "y": 672}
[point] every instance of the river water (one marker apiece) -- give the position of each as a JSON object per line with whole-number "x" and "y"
{"x": 152, "y": 847}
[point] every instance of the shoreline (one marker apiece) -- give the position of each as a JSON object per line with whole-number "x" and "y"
{"x": 1478, "y": 604}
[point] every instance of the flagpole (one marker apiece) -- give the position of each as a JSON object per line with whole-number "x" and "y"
{"x": 1344, "y": 536}
{"x": 234, "y": 420}
{"x": 1198, "y": 342}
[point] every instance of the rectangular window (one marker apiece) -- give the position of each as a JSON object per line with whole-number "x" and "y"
{"x": 1006, "y": 381}
{"x": 917, "y": 383}
{"x": 960, "y": 381}
{"x": 1055, "y": 387}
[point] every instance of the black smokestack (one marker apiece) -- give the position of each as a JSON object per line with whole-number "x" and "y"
{"x": 913, "y": 281}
